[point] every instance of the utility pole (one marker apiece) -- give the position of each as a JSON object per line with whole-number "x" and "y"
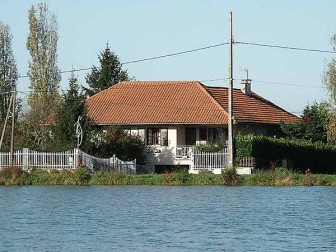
{"x": 13, "y": 126}
{"x": 230, "y": 94}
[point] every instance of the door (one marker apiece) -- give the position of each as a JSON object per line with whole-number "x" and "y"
{"x": 190, "y": 134}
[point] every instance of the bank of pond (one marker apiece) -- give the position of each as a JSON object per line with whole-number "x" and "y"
{"x": 277, "y": 177}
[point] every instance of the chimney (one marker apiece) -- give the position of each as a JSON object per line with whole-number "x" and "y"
{"x": 245, "y": 86}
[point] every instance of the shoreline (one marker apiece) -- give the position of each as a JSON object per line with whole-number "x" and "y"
{"x": 278, "y": 177}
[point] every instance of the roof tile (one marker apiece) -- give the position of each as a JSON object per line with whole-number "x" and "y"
{"x": 178, "y": 102}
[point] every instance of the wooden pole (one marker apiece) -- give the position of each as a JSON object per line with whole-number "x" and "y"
{"x": 230, "y": 94}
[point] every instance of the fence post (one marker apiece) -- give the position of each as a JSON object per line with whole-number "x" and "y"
{"x": 25, "y": 157}
{"x": 75, "y": 163}
{"x": 192, "y": 161}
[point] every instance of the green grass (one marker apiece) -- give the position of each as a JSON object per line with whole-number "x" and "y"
{"x": 278, "y": 177}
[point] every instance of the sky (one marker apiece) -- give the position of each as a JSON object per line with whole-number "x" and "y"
{"x": 145, "y": 28}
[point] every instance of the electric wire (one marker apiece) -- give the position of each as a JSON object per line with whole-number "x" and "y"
{"x": 145, "y": 59}
{"x": 285, "y": 47}
{"x": 198, "y": 49}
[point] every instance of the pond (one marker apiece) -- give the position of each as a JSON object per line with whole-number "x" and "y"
{"x": 159, "y": 218}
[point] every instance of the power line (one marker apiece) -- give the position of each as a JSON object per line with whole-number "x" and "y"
{"x": 201, "y": 81}
{"x": 146, "y": 59}
{"x": 286, "y": 47}
{"x": 267, "y": 82}
{"x": 289, "y": 84}
{"x": 175, "y": 54}
{"x": 200, "y": 49}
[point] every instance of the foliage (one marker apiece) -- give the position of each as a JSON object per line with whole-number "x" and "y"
{"x": 180, "y": 177}
{"x": 108, "y": 74}
{"x": 329, "y": 80}
{"x": 318, "y": 157}
{"x": 215, "y": 146}
{"x": 330, "y": 75}
{"x": 312, "y": 126}
{"x": 112, "y": 177}
{"x": 115, "y": 141}
{"x": 80, "y": 176}
{"x": 278, "y": 177}
{"x": 71, "y": 107}
{"x": 8, "y": 70}
{"x": 43, "y": 72}
{"x": 230, "y": 176}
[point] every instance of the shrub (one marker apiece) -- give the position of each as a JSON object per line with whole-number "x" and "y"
{"x": 80, "y": 176}
{"x": 180, "y": 177}
{"x": 115, "y": 141}
{"x": 112, "y": 177}
{"x": 230, "y": 176}
{"x": 318, "y": 157}
{"x": 212, "y": 146}
{"x": 14, "y": 176}
{"x": 11, "y": 172}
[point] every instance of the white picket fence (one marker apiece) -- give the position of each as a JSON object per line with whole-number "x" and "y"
{"x": 209, "y": 160}
{"x": 28, "y": 159}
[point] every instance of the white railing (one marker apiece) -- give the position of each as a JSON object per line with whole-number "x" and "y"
{"x": 106, "y": 164}
{"x": 184, "y": 151}
{"x": 28, "y": 159}
{"x": 209, "y": 160}
{"x": 5, "y": 159}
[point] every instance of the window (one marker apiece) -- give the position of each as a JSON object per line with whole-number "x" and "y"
{"x": 203, "y": 134}
{"x": 157, "y": 136}
{"x": 215, "y": 134}
{"x": 141, "y": 134}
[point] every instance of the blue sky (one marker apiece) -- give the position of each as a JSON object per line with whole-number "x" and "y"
{"x": 141, "y": 29}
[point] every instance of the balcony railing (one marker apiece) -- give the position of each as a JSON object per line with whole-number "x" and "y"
{"x": 184, "y": 151}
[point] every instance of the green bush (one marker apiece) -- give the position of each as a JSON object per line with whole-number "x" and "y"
{"x": 318, "y": 157}
{"x": 212, "y": 146}
{"x": 179, "y": 177}
{"x": 230, "y": 177}
{"x": 80, "y": 176}
{"x": 115, "y": 141}
{"x": 112, "y": 177}
{"x": 14, "y": 176}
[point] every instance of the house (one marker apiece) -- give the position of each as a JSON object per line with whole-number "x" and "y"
{"x": 173, "y": 116}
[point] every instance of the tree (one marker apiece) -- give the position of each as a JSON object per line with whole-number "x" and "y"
{"x": 330, "y": 82}
{"x": 43, "y": 72}
{"x": 312, "y": 125}
{"x": 8, "y": 70}
{"x": 109, "y": 73}
{"x": 72, "y": 106}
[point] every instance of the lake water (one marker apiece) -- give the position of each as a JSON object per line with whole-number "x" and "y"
{"x": 157, "y": 218}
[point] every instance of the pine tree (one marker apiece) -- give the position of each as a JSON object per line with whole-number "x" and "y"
{"x": 43, "y": 73}
{"x": 109, "y": 73}
{"x": 8, "y": 70}
{"x": 72, "y": 106}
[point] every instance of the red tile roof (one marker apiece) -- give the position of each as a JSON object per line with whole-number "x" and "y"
{"x": 251, "y": 108}
{"x": 178, "y": 102}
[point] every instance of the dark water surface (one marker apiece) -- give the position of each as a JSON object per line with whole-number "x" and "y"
{"x": 143, "y": 218}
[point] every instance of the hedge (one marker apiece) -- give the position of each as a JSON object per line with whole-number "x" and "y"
{"x": 318, "y": 157}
